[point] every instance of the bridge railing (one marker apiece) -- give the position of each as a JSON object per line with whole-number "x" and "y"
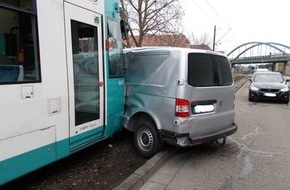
{"x": 261, "y": 59}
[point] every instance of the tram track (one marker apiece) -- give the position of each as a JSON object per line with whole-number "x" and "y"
{"x": 240, "y": 80}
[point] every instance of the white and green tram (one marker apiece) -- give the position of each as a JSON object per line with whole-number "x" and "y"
{"x": 61, "y": 80}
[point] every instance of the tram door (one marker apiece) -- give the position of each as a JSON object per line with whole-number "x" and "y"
{"x": 85, "y": 75}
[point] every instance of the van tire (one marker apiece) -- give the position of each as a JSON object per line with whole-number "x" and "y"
{"x": 147, "y": 140}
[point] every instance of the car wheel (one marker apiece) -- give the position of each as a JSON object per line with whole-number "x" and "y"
{"x": 146, "y": 138}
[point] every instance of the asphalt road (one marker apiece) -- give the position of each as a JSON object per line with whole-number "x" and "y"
{"x": 263, "y": 141}
{"x": 256, "y": 157}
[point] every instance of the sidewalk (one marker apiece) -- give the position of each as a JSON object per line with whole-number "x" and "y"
{"x": 168, "y": 175}
{"x": 144, "y": 173}
{"x": 163, "y": 171}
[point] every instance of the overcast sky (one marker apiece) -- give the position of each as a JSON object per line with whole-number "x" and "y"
{"x": 238, "y": 21}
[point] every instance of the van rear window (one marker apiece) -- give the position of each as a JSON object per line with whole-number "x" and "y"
{"x": 208, "y": 70}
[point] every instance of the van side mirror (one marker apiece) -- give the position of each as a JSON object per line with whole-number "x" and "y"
{"x": 124, "y": 29}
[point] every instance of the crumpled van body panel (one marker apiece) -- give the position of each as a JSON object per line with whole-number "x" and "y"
{"x": 158, "y": 79}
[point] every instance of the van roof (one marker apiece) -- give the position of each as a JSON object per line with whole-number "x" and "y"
{"x": 164, "y": 48}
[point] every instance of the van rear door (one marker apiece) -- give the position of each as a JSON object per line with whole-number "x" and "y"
{"x": 212, "y": 92}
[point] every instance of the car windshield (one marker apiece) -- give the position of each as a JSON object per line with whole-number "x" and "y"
{"x": 266, "y": 77}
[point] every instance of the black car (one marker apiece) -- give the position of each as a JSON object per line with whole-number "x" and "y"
{"x": 268, "y": 86}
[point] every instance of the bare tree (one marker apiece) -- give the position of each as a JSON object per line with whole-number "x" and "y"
{"x": 201, "y": 40}
{"x": 151, "y": 17}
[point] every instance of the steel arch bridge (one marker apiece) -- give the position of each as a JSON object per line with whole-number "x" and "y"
{"x": 259, "y": 52}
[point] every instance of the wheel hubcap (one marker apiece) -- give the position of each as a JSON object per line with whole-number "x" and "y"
{"x": 145, "y": 139}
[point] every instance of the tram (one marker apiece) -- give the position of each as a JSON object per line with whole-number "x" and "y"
{"x": 61, "y": 80}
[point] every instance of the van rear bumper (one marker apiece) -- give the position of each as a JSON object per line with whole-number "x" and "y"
{"x": 185, "y": 140}
{"x": 215, "y": 135}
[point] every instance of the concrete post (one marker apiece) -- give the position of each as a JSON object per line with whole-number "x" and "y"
{"x": 287, "y": 68}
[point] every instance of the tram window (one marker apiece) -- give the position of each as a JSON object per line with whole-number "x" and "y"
{"x": 19, "y": 61}
{"x": 86, "y": 72}
{"x": 116, "y": 66}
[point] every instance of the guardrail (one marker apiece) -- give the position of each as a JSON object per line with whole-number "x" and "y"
{"x": 261, "y": 59}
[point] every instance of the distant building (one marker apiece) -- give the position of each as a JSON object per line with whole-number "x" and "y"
{"x": 201, "y": 46}
{"x": 279, "y": 67}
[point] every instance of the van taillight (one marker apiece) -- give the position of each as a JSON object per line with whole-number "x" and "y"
{"x": 182, "y": 107}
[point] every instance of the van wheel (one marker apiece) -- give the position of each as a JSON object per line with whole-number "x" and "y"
{"x": 146, "y": 138}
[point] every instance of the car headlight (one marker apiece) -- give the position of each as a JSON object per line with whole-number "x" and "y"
{"x": 253, "y": 88}
{"x": 285, "y": 89}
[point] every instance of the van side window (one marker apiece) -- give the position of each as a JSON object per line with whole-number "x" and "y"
{"x": 208, "y": 70}
{"x": 19, "y": 61}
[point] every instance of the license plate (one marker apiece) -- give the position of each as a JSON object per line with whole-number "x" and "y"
{"x": 270, "y": 95}
{"x": 202, "y": 109}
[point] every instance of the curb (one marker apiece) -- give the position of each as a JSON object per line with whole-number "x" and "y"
{"x": 141, "y": 176}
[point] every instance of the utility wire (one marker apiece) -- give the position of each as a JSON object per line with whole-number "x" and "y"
{"x": 224, "y": 21}
{"x": 213, "y": 21}
{"x": 215, "y": 11}
{"x": 224, "y": 35}
{"x": 204, "y": 12}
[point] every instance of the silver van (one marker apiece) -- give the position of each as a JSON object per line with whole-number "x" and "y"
{"x": 179, "y": 96}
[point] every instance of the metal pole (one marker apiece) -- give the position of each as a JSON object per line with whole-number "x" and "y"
{"x": 214, "y": 33}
